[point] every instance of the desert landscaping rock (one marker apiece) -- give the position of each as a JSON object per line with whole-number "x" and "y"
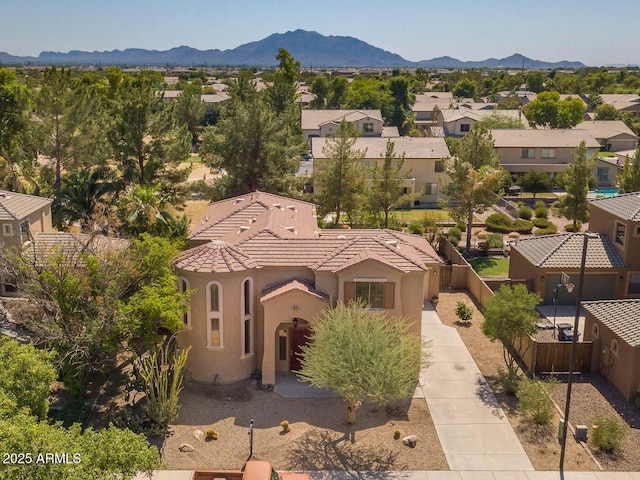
{"x": 410, "y": 441}
{"x": 185, "y": 447}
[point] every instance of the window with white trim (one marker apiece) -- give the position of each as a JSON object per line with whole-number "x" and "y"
{"x": 602, "y": 174}
{"x": 246, "y": 330}
{"x": 367, "y": 127}
{"x": 7, "y": 229}
{"x": 548, "y": 153}
{"x": 214, "y": 315}
{"x": 183, "y": 286}
{"x": 528, "y": 153}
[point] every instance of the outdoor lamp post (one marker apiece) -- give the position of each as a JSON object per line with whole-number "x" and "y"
{"x": 574, "y": 341}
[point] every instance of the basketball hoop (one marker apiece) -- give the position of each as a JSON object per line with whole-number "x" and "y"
{"x": 570, "y": 287}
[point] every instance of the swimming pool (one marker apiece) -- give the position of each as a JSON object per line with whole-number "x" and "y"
{"x": 603, "y": 192}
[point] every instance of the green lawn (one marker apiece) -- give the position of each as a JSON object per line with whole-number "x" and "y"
{"x": 491, "y": 267}
{"x": 407, "y": 216}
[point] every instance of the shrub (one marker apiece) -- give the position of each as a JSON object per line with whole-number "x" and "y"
{"x": 416, "y": 227}
{"x": 211, "y": 434}
{"x": 396, "y": 434}
{"x": 541, "y": 212}
{"x": 522, "y": 226}
{"x": 608, "y": 433}
{"x": 463, "y": 311}
{"x": 569, "y": 227}
{"x": 539, "y": 204}
{"x": 552, "y": 229}
{"x": 535, "y": 404}
{"x": 285, "y": 425}
{"x": 498, "y": 219}
{"x": 494, "y": 241}
{"x": 501, "y": 223}
{"x": 454, "y": 235}
{"x": 461, "y": 226}
{"x": 525, "y": 213}
{"x": 541, "y": 222}
{"x": 508, "y": 380}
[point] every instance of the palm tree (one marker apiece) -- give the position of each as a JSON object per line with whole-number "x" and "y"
{"x": 143, "y": 209}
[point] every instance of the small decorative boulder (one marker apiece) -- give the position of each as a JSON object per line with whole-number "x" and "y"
{"x": 185, "y": 447}
{"x": 197, "y": 434}
{"x": 410, "y": 441}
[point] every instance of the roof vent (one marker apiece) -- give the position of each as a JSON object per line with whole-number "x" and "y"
{"x": 253, "y": 220}
{"x": 244, "y": 228}
{"x": 238, "y": 200}
{"x": 393, "y": 243}
{"x": 205, "y": 220}
{"x": 289, "y": 228}
{"x": 277, "y": 205}
{"x": 291, "y": 207}
{"x": 342, "y": 237}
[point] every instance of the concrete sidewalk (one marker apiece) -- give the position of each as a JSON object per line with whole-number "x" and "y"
{"x": 473, "y": 430}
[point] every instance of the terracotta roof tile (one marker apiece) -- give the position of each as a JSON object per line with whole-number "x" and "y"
{"x": 565, "y": 251}
{"x": 71, "y": 246}
{"x": 16, "y": 206}
{"x": 626, "y": 206}
{"x": 622, "y": 317}
{"x": 289, "y": 286}
{"x": 216, "y": 257}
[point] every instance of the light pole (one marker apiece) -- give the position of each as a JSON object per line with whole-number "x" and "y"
{"x": 564, "y": 282}
{"x": 574, "y": 341}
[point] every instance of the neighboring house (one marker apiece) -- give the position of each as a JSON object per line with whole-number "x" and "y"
{"x": 549, "y": 150}
{"x": 321, "y": 123}
{"x": 523, "y": 96}
{"x": 541, "y": 260}
{"x": 619, "y": 218}
{"x": 423, "y": 161}
{"x": 426, "y": 108}
{"x": 613, "y": 135}
{"x": 261, "y": 271}
{"x": 614, "y": 328}
{"x": 458, "y": 122}
{"x": 218, "y": 97}
{"x": 23, "y": 216}
{"x": 623, "y": 102}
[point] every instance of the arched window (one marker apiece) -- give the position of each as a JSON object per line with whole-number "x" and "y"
{"x": 246, "y": 328}
{"x": 183, "y": 286}
{"x": 214, "y": 315}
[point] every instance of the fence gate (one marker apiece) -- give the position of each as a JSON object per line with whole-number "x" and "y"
{"x": 445, "y": 278}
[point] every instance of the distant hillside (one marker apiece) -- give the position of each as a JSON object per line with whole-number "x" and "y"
{"x": 311, "y": 48}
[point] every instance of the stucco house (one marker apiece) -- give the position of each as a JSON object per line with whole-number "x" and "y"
{"x": 260, "y": 270}
{"x": 22, "y": 216}
{"x": 548, "y": 150}
{"x": 619, "y": 218}
{"x": 321, "y": 123}
{"x": 613, "y": 135}
{"x": 623, "y": 102}
{"x": 614, "y": 328}
{"x": 458, "y": 122}
{"x": 423, "y": 161}
{"x": 541, "y": 260}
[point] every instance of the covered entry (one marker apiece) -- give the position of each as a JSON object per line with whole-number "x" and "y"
{"x": 289, "y": 309}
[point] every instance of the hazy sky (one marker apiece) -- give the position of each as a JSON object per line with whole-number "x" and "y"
{"x": 594, "y": 32}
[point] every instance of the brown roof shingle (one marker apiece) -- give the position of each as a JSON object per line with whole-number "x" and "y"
{"x": 215, "y": 257}
{"x": 16, "y": 206}
{"x": 626, "y": 206}
{"x": 622, "y": 317}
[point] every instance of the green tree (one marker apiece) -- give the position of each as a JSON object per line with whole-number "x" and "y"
{"x": 402, "y": 100}
{"x": 320, "y": 88}
{"x": 148, "y": 145}
{"x": 339, "y": 180}
{"x": 577, "y": 179}
{"x": 549, "y": 111}
{"x": 338, "y": 90}
{"x": 606, "y": 112}
{"x": 363, "y": 356}
{"x": 465, "y": 88}
{"x": 26, "y": 376}
{"x": 535, "y": 181}
{"x": 256, "y": 147}
{"x": 14, "y": 119}
{"x": 386, "y": 191}
{"x": 535, "y": 81}
{"x": 500, "y": 121}
{"x": 474, "y": 174}
{"x": 370, "y": 94}
{"x": 189, "y": 110}
{"x": 629, "y": 178}
{"x": 101, "y": 455}
{"x": 281, "y": 94}
{"x": 510, "y": 314}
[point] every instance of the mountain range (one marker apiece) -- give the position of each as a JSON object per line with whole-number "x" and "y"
{"x": 311, "y": 48}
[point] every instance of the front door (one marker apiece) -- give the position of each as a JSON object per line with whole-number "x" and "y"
{"x": 299, "y": 338}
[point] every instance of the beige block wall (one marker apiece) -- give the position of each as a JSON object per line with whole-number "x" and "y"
{"x": 603, "y": 222}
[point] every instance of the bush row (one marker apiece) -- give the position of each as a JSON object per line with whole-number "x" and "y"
{"x": 501, "y": 223}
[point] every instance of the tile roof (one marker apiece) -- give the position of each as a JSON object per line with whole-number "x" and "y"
{"x": 376, "y": 147}
{"x": 16, "y": 206}
{"x": 542, "y": 138}
{"x": 215, "y": 257}
{"x": 606, "y": 128}
{"x": 239, "y": 218}
{"x": 565, "y": 251}
{"x": 622, "y": 317}
{"x": 71, "y": 245}
{"x": 625, "y": 206}
{"x": 289, "y": 286}
{"x": 312, "y": 119}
